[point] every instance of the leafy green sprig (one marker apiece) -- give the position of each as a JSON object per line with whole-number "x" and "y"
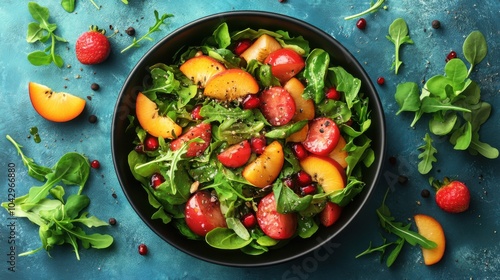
{"x": 453, "y": 102}
{"x": 403, "y": 233}
{"x": 152, "y": 29}
{"x": 398, "y": 35}
{"x": 42, "y": 31}
{"x": 373, "y": 8}
{"x": 58, "y": 218}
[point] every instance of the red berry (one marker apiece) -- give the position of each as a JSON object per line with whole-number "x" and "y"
{"x": 289, "y": 182}
{"x": 361, "y": 23}
{"x": 139, "y": 148}
{"x": 299, "y": 151}
{"x": 332, "y": 93}
{"x": 249, "y": 220}
{"x": 195, "y": 114}
{"x": 380, "y": 80}
{"x": 453, "y": 196}
{"x": 151, "y": 143}
{"x": 451, "y": 56}
{"x": 242, "y": 46}
{"x": 250, "y": 102}
{"x": 258, "y": 144}
{"x": 307, "y": 190}
{"x": 92, "y": 47}
{"x": 303, "y": 178}
{"x": 95, "y": 164}
{"x": 143, "y": 249}
{"x": 156, "y": 180}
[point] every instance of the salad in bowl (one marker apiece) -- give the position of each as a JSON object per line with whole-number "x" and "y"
{"x": 249, "y": 140}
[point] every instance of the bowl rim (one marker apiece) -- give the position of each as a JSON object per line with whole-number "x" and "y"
{"x": 375, "y": 103}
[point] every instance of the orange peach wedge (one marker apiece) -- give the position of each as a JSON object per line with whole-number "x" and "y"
{"x": 339, "y": 154}
{"x": 304, "y": 108}
{"x": 55, "y": 106}
{"x": 266, "y": 167}
{"x": 149, "y": 118}
{"x": 431, "y": 229}
{"x": 325, "y": 171}
{"x": 231, "y": 84}
{"x": 200, "y": 69}
{"x": 261, "y": 48}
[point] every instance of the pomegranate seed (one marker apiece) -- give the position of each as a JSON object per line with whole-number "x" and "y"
{"x": 451, "y": 56}
{"x": 289, "y": 182}
{"x": 151, "y": 143}
{"x": 299, "y": 151}
{"x": 242, "y": 46}
{"x": 195, "y": 114}
{"x": 251, "y": 102}
{"x": 332, "y": 93}
{"x": 139, "y": 148}
{"x": 156, "y": 180}
{"x": 303, "y": 178}
{"x": 380, "y": 80}
{"x": 249, "y": 220}
{"x": 112, "y": 221}
{"x": 95, "y": 164}
{"x": 258, "y": 144}
{"x": 143, "y": 249}
{"x": 361, "y": 23}
{"x": 309, "y": 189}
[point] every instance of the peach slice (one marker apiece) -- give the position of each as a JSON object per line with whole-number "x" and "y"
{"x": 304, "y": 108}
{"x": 200, "y": 69}
{"x": 266, "y": 167}
{"x": 55, "y": 106}
{"x": 261, "y": 48}
{"x": 339, "y": 154}
{"x": 431, "y": 229}
{"x": 325, "y": 171}
{"x": 231, "y": 84}
{"x": 149, "y": 119}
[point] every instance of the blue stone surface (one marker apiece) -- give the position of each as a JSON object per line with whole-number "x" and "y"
{"x": 472, "y": 239}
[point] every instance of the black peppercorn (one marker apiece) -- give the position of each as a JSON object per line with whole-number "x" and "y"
{"x": 92, "y": 118}
{"x": 95, "y": 86}
{"x": 425, "y": 193}
{"x": 130, "y": 31}
{"x": 402, "y": 179}
{"x": 436, "y": 24}
{"x": 112, "y": 221}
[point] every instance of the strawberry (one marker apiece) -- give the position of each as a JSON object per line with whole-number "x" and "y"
{"x": 92, "y": 47}
{"x": 452, "y": 196}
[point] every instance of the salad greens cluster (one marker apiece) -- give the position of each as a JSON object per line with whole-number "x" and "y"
{"x": 453, "y": 102}
{"x": 57, "y": 217}
{"x": 176, "y": 95}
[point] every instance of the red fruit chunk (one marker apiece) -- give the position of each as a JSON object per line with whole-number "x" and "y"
{"x": 274, "y": 224}
{"x": 92, "y": 47}
{"x": 203, "y": 131}
{"x": 277, "y": 106}
{"x": 453, "y": 197}
{"x": 330, "y": 214}
{"x": 322, "y": 137}
{"x": 249, "y": 220}
{"x": 242, "y": 46}
{"x": 251, "y": 102}
{"x": 236, "y": 155}
{"x": 361, "y": 23}
{"x": 202, "y": 213}
{"x": 285, "y": 63}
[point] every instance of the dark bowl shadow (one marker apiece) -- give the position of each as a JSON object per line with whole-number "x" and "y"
{"x": 191, "y": 34}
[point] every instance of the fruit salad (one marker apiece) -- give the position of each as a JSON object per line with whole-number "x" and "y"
{"x": 250, "y": 139}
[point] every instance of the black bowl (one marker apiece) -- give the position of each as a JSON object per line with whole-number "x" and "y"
{"x": 191, "y": 34}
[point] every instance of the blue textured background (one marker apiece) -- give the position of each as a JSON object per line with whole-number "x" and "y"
{"x": 472, "y": 238}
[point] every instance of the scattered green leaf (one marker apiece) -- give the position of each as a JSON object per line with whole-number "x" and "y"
{"x": 154, "y": 28}
{"x": 398, "y": 35}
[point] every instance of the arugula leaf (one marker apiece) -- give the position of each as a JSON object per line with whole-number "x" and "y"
{"x": 427, "y": 156}
{"x": 41, "y": 31}
{"x": 407, "y": 97}
{"x": 315, "y": 72}
{"x": 152, "y": 29}
{"x": 398, "y": 35}
{"x": 34, "y": 170}
{"x": 475, "y": 48}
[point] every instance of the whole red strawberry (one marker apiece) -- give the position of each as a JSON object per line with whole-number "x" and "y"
{"x": 92, "y": 47}
{"x": 452, "y": 196}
